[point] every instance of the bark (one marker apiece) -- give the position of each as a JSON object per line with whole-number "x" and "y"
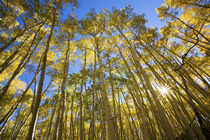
{"x": 56, "y": 127}
{"x": 21, "y": 126}
{"x": 164, "y": 121}
{"x": 133, "y": 122}
{"x": 32, "y": 126}
{"x": 81, "y": 101}
{"x": 113, "y": 94}
{"x": 112, "y": 131}
{"x": 194, "y": 108}
{"x": 63, "y": 87}
{"x": 71, "y": 134}
{"x": 51, "y": 121}
{"x": 122, "y": 132}
{"x": 139, "y": 105}
{"x": 93, "y": 104}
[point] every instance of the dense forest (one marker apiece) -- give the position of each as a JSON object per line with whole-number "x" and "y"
{"x": 135, "y": 82}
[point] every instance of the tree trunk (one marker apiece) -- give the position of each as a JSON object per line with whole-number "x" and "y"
{"x": 112, "y": 132}
{"x": 63, "y": 87}
{"x": 32, "y": 126}
{"x": 51, "y": 121}
{"x": 93, "y": 105}
{"x": 56, "y": 127}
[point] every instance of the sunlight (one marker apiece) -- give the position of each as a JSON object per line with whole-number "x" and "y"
{"x": 163, "y": 90}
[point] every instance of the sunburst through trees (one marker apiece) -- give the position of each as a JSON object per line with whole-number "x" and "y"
{"x": 135, "y": 82}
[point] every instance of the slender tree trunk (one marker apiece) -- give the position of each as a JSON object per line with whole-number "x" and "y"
{"x": 194, "y": 108}
{"x": 81, "y": 101}
{"x": 66, "y": 122}
{"x": 113, "y": 94}
{"x": 133, "y": 122}
{"x": 51, "y": 121}
{"x": 32, "y": 126}
{"x": 93, "y": 104}
{"x": 112, "y": 133}
{"x": 71, "y": 134}
{"x": 139, "y": 106}
{"x": 63, "y": 87}
{"x": 122, "y": 132}
{"x": 56, "y": 127}
{"x": 21, "y": 126}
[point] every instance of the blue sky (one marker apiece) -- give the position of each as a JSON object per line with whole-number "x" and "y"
{"x": 140, "y": 6}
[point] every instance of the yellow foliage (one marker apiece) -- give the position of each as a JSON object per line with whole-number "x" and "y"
{"x": 17, "y": 85}
{"x": 51, "y": 56}
{"x": 4, "y": 35}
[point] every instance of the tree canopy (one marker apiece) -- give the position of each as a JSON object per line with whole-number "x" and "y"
{"x": 135, "y": 82}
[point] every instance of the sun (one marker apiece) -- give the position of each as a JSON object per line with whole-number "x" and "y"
{"x": 163, "y": 90}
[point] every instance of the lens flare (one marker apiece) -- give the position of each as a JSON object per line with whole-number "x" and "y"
{"x": 163, "y": 90}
